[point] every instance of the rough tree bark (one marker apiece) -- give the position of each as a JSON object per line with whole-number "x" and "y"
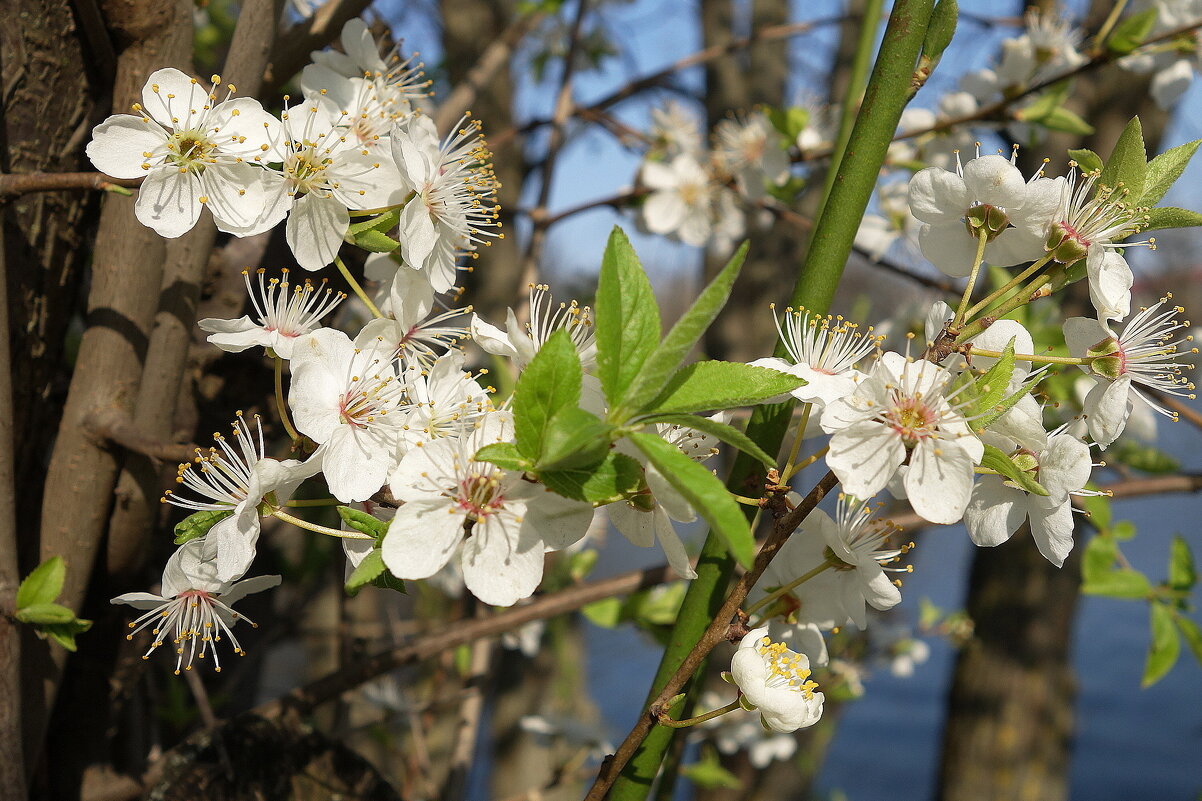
{"x": 1010, "y": 721}
{"x": 126, "y": 260}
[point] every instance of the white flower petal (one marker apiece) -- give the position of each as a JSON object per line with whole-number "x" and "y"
{"x": 119, "y": 145}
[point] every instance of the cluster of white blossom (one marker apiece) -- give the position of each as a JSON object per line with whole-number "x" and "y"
{"x": 392, "y": 419}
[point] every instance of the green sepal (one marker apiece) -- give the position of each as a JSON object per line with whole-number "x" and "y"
{"x": 43, "y": 584}
{"x": 1001, "y": 463}
{"x": 720, "y": 431}
{"x": 703, "y": 491}
{"x": 363, "y": 522}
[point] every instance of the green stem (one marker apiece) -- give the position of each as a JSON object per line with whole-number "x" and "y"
{"x": 320, "y": 529}
{"x": 1021, "y": 298}
{"x": 665, "y": 720}
{"x": 788, "y": 588}
{"x": 816, "y": 282}
{"x": 984, "y": 302}
{"x": 280, "y": 404}
{"x": 1028, "y": 357}
{"x": 1099, "y": 41}
{"x": 870, "y": 23}
{"x": 358, "y": 290}
{"x": 982, "y": 241}
{"x": 295, "y": 504}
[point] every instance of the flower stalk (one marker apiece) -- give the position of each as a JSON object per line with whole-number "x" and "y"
{"x": 664, "y": 719}
{"x": 357, "y": 289}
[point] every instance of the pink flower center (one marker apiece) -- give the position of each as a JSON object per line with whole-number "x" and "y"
{"x": 911, "y": 419}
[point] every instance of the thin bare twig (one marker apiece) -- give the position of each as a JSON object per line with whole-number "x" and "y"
{"x": 115, "y": 427}
{"x": 717, "y": 632}
{"x": 494, "y": 57}
{"x": 292, "y": 47}
{"x": 765, "y": 34}
{"x": 303, "y": 699}
{"x": 563, "y": 110}
{"x": 14, "y": 184}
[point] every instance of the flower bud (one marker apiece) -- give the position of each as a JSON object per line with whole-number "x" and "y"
{"x": 990, "y": 219}
{"x": 1064, "y": 244}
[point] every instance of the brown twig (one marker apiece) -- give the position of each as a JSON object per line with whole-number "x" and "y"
{"x": 995, "y": 111}
{"x": 765, "y": 34}
{"x": 114, "y": 427}
{"x": 563, "y": 110}
{"x": 14, "y": 184}
{"x": 495, "y": 57}
{"x": 716, "y": 632}
{"x": 292, "y": 47}
{"x": 303, "y": 699}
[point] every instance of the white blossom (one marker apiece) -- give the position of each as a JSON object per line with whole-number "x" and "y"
{"x": 237, "y": 478}
{"x": 499, "y": 524}
{"x": 776, "y": 681}
{"x": 823, "y": 351}
{"x": 1145, "y": 353}
{"x": 903, "y": 407}
{"x": 194, "y": 152}
{"x": 284, "y": 311}
{"x": 999, "y": 506}
{"x": 193, "y": 606}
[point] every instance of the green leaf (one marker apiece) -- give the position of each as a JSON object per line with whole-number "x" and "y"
{"x": 1044, "y": 104}
{"x": 1128, "y": 162}
{"x": 704, "y": 492}
{"x": 657, "y": 606}
{"x": 45, "y": 613}
{"x": 367, "y": 571}
{"x": 1086, "y": 159}
{"x": 985, "y": 419}
{"x": 1164, "y": 170}
{"x": 1193, "y": 635}
{"x": 613, "y": 479}
{"x": 628, "y": 326}
{"x": 996, "y": 460}
{"x": 993, "y": 384}
{"x": 720, "y": 385}
{"x": 549, "y": 383}
{"x": 1146, "y": 458}
{"x": 382, "y": 223}
{"x": 1098, "y": 508}
{"x": 1131, "y": 32}
{"x": 363, "y": 522}
{"x": 720, "y": 431}
{"x": 44, "y": 584}
{"x": 606, "y": 613}
{"x": 1182, "y": 575}
{"x": 662, "y": 364}
{"x": 1165, "y": 645}
{"x": 376, "y": 242}
{"x": 1123, "y": 583}
{"x": 574, "y": 438}
{"x": 64, "y": 633}
{"x": 708, "y": 773}
{"x": 504, "y": 455}
{"x": 198, "y": 524}
{"x": 789, "y": 122}
{"x": 1061, "y": 119}
{"x": 1098, "y": 559}
{"x": 1172, "y": 217}
{"x": 581, "y": 563}
{"x": 1123, "y": 530}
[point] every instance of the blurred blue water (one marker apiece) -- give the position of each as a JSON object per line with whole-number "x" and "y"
{"x": 1130, "y": 743}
